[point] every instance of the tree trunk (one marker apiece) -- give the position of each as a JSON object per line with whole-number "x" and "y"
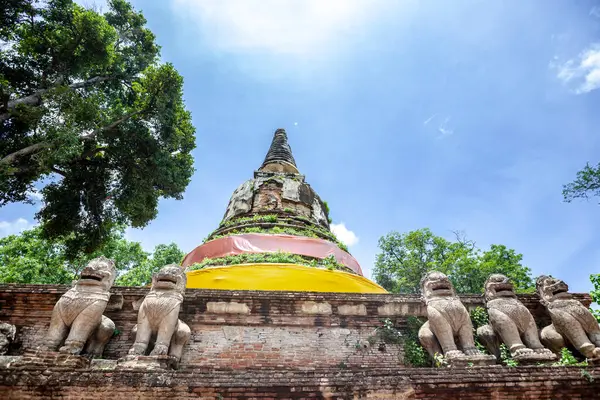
{"x": 114, "y": 124}
{"x": 35, "y": 98}
{"x": 9, "y": 159}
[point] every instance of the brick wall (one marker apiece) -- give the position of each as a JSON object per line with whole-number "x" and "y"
{"x": 543, "y": 383}
{"x": 266, "y": 345}
{"x": 249, "y": 329}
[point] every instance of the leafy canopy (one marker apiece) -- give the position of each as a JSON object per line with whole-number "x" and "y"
{"x": 31, "y": 258}
{"x": 88, "y": 111}
{"x": 405, "y": 258}
{"x": 595, "y": 278}
{"x": 586, "y": 184}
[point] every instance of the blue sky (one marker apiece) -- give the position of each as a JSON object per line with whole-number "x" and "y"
{"x": 461, "y": 115}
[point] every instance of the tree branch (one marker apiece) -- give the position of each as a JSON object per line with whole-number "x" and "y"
{"x": 392, "y": 252}
{"x": 92, "y": 152}
{"x": 9, "y": 159}
{"x": 58, "y": 171}
{"x": 35, "y": 98}
{"x": 462, "y": 239}
{"x": 112, "y": 125}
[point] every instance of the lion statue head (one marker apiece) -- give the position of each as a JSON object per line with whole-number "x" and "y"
{"x": 551, "y": 289}
{"x": 100, "y": 273}
{"x": 498, "y": 286}
{"x": 170, "y": 278}
{"x": 436, "y": 285}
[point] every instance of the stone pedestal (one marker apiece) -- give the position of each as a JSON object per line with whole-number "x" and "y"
{"x": 471, "y": 361}
{"x": 147, "y": 363}
{"x": 534, "y": 358}
{"x": 50, "y": 359}
{"x": 103, "y": 365}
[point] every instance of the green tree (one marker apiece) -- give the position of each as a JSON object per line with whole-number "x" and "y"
{"x": 141, "y": 274}
{"x": 405, "y": 258}
{"x": 595, "y": 278}
{"x": 586, "y": 184}
{"x": 87, "y": 108}
{"x": 31, "y": 258}
{"x": 28, "y": 258}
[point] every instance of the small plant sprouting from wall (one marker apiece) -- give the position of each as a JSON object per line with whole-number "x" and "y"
{"x": 249, "y": 220}
{"x": 326, "y": 206}
{"x": 388, "y": 333}
{"x": 439, "y": 360}
{"x": 479, "y": 317}
{"x": 414, "y": 354}
{"x": 587, "y": 376}
{"x": 506, "y": 358}
{"x": 567, "y": 358}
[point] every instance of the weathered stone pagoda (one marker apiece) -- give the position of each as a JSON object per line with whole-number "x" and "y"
{"x": 275, "y": 236}
{"x": 271, "y": 305}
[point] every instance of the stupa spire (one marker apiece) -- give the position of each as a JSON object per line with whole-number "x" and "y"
{"x": 280, "y": 153}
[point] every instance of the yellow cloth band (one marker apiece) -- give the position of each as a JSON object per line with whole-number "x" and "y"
{"x": 275, "y": 276}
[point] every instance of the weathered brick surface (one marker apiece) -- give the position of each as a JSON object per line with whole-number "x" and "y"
{"x": 267, "y": 345}
{"x": 375, "y": 383}
{"x": 249, "y": 329}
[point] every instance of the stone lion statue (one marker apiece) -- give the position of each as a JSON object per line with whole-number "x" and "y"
{"x": 77, "y": 317}
{"x": 571, "y": 320}
{"x": 158, "y": 315}
{"x": 448, "y": 329}
{"x": 511, "y": 321}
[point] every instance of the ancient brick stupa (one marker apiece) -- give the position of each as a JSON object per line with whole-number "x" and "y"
{"x": 275, "y": 235}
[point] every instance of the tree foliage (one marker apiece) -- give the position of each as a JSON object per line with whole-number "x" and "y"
{"x": 586, "y": 184}
{"x": 86, "y": 107}
{"x": 406, "y": 258}
{"x": 31, "y": 258}
{"x": 595, "y": 278}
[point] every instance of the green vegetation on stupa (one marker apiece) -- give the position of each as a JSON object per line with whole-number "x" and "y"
{"x": 277, "y": 257}
{"x": 286, "y": 223}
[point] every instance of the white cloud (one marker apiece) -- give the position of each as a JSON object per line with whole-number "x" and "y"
{"x": 444, "y": 129}
{"x": 10, "y": 228}
{"x": 345, "y": 235}
{"x": 428, "y": 120}
{"x": 289, "y": 27}
{"x": 35, "y": 195}
{"x": 583, "y": 73}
